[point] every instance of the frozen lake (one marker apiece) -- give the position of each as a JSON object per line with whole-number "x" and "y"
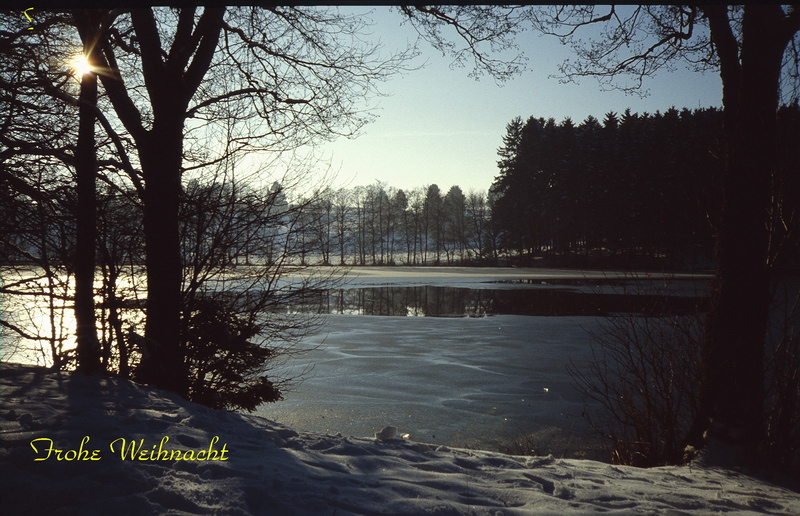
{"x": 467, "y": 357}
{"x": 479, "y": 381}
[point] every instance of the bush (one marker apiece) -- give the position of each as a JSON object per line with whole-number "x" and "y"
{"x": 226, "y": 368}
{"x": 782, "y": 447}
{"x": 644, "y": 375}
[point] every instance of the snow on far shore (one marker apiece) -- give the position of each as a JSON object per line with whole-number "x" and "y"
{"x": 239, "y": 464}
{"x": 489, "y": 277}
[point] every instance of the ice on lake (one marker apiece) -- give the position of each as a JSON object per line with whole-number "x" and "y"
{"x": 480, "y": 374}
{"x": 459, "y": 381}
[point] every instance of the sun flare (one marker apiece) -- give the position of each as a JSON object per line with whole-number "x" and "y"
{"x": 81, "y": 65}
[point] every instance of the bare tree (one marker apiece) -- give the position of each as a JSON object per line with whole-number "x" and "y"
{"x": 290, "y": 92}
{"x": 478, "y": 218}
{"x": 90, "y": 26}
{"x": 482, "y": 32}
{"x": 38, "y": 164}
{"x": 455, "y": 228}
{"x": 175, "y": 82}
{"x": 433, "y": 221}
{"x": 241, "y": 321}
{"x": 415, "y": 230}
{"x": 342, "y": 212}
{"x": 753, "y": 48}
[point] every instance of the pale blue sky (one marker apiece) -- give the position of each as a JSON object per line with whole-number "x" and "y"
{"x": 440, "y": 126}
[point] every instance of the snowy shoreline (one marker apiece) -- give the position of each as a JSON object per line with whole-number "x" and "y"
{"x": 272, "y": 469}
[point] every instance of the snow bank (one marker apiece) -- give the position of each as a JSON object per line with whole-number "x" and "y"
{"x": 270, "y": 469}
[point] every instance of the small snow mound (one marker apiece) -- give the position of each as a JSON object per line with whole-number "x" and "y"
{"x": 536, "y": 462}
{"x": 388, "y": 433}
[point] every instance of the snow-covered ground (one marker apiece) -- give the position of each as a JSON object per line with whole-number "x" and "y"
{"x": 233, "y": 464}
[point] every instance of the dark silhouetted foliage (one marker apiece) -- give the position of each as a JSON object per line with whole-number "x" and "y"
{"x": 225, "y": 365}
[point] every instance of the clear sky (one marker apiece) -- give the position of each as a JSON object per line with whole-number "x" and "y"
{"x": 440, "y": 126}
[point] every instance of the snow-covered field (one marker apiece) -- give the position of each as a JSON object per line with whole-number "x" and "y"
{"x": 61, "y": 454}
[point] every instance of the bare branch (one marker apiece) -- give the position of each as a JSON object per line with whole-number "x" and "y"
{"x": 627, "y": 41}
{"x": 483, "y": 29}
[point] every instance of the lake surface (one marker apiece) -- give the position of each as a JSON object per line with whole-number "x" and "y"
{"x": 473, "y": 357}
{"x": 465, "y": 357}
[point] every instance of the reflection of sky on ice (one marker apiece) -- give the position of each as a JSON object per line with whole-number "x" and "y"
{"x": 456, "y": 381}
{"x": 538, "y": 300}
{"x": 32, "y": 313}
{"x": 433, "y": 275}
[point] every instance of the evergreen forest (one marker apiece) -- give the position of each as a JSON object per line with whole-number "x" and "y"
{"x": 630, "y": 191}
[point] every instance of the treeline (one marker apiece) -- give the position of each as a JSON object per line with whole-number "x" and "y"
{"x": 632, "y": 190}
{"x": 382, "y": 225}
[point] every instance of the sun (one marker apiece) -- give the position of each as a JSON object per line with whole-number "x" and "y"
{"x": 81, "y": 65}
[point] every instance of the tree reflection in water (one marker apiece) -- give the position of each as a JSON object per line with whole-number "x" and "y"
{"x": 442, "y": 301}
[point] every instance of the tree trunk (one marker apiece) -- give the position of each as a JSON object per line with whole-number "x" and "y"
{"x": 163, "y": 363}
{"x": 88, "y": 345}
{"x": 733, "y": 366}
{"x": 171, "y": 83}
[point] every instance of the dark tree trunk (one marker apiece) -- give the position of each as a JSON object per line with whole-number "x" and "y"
{"x": 164, "y": 364}
{"x": 733, "y": 362}
{"x": 88, "y": 345}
